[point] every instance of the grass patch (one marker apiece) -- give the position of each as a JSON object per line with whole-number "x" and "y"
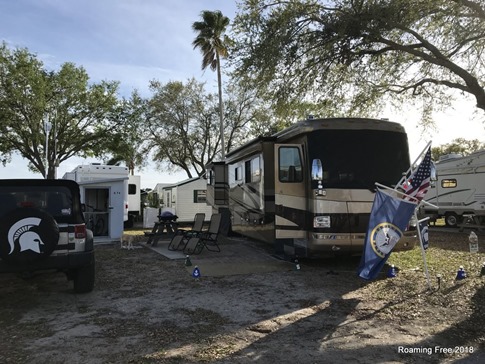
{"x": 445, "y": 255}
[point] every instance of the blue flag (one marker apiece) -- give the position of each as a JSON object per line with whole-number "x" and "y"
{"x": 423, "y": 229}
{"x": 389, "y": 218}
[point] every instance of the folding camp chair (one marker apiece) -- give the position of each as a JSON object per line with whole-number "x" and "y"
{"x": 181, "y": 237}
{"x": 207, "y": 239}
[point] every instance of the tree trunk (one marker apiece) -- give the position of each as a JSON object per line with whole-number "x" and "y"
{"x": 221, "y": 111}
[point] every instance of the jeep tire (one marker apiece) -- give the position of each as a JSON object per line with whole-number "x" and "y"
{"x": 27, "y": 235}
{"x": 83, "y": 278}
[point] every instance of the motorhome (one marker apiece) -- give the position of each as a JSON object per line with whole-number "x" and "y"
{"x": 459, "y": 189}
{"x": 309, "y": 189}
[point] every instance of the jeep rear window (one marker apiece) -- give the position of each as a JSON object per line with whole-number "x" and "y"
{"x": 55, "y": 200}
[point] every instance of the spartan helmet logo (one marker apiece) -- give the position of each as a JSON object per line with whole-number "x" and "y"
{"x": 22, "y": 231}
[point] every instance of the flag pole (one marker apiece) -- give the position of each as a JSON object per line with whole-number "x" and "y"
{"x": 403, "y": 194}
{"x": 420, "y": 237}
{"x": 410, "y": 169}
{"x": 420, "y": 185}
{"x": 423, "y": 252}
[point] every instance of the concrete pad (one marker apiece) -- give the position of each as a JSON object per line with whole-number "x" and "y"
{"x": 237, "y": 256}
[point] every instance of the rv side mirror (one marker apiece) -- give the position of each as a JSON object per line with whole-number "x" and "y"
{"x": 317, "y": 170}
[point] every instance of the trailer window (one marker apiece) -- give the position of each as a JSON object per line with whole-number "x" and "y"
{"x": 448, "y": 183}
{"x": 200, "y": 196}
{"x": 132, "y": 189}
{"x": 289, "y": 164}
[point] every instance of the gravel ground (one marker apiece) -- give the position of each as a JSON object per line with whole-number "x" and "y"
{"x": 148, "y": 309}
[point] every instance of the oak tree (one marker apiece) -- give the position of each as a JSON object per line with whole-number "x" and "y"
{"x": 353, "y": 56}
{"x": 50, "y": 116}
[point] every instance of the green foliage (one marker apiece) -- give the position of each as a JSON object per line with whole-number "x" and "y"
{"x": 126, "y": 142}
{"x": 352, "y": 56}
{"x": 459, "y": 146}
{"x": 181, "y": 126}
{"x": 213, "y": 44}
{"x": 444, "y": 261}
{"x": 211, "y": 39}
{"x": 81, "y": 114}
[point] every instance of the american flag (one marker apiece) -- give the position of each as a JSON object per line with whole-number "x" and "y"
{"x": 418, "y": 183}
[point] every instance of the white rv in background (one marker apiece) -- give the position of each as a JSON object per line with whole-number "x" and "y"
{"x": 187, "y": 198}
{"x": 111, "y": 197}
{"x": 459, "y": 189}
{"x": 134, "y": 200}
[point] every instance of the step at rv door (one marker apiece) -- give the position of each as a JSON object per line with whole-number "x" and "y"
{"x": 290, "y": 199}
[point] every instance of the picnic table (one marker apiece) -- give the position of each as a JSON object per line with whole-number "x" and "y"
{"x": 164, "y": 227}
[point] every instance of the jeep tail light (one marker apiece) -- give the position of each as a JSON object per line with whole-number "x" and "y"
{"x": 80, "y": 231}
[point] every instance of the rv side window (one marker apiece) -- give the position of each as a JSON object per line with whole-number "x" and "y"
{"x": 247, "y": 171}
{"x": 252, "y": 172}
{"x": 200, "y": 196}
{"x": 255, "y": 170}
{"x": 132, "y": 189}
{"x": 210, "y": 177}
{"x": 448, "y": 183}
{"x": 289, "y": 164}
{"x": 238, "y": 173}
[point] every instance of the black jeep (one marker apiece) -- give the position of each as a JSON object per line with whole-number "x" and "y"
{"x": 42, "y": 227}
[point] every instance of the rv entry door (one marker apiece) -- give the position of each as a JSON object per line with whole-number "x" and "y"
{"x": 290, "y": 198}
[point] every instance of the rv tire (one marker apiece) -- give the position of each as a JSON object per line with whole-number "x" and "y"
{"x": 451, "y": 219}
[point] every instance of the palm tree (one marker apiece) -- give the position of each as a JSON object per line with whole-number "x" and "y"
{"x": 213, "y": 45}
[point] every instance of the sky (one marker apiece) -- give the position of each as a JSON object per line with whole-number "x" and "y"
{"x": 135, "y": 41}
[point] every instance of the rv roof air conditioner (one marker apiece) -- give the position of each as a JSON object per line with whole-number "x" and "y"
{"x": 450, "y": 156}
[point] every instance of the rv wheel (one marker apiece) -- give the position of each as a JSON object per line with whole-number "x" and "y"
{"x": 451, "y": 219}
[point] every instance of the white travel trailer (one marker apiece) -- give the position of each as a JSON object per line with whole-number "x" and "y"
{"x": 187, "y": 198}
{"x": 134, "y": 200}
{"x": 104, "y": 192}
{"x": 459, "y": 188}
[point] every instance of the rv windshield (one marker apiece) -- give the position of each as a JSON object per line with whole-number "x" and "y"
{"x": 359, "y": 158}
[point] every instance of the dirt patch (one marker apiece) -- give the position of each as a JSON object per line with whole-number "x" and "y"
{"x": 148, "y": 309}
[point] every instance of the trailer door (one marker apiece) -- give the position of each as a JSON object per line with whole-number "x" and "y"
{"x": 290, "y": 197}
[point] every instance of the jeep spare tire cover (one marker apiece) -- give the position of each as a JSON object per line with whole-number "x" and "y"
{"x": 27, "y": 235}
